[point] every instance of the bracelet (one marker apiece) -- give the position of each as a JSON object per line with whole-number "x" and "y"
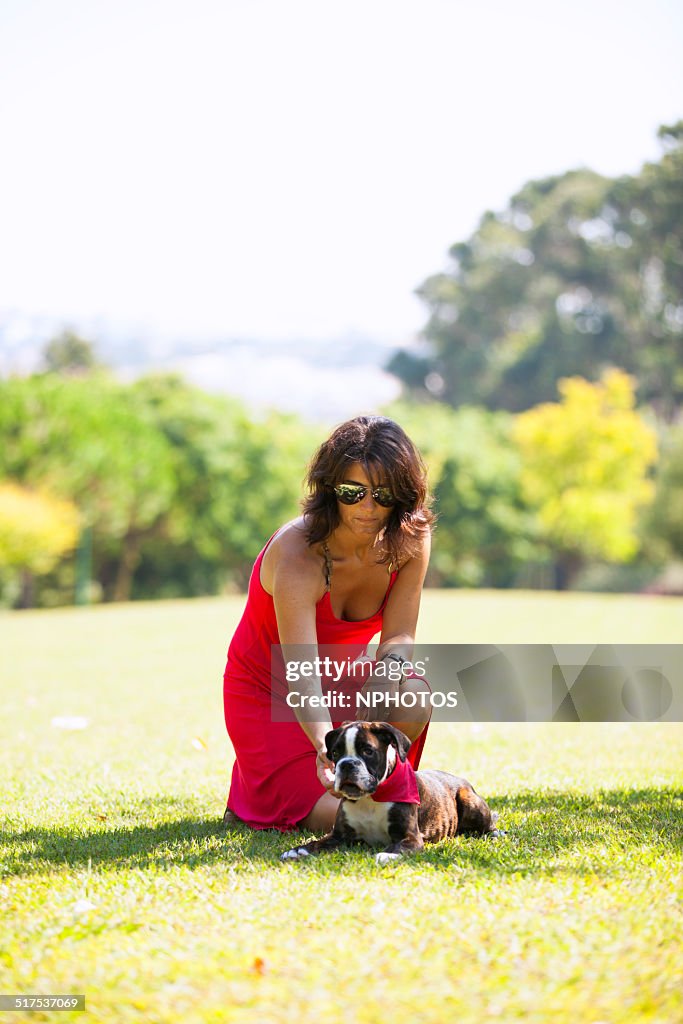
{"x": 398, "y": 658}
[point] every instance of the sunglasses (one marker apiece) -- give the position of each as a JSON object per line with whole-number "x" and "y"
{"x": 351, "y": 494}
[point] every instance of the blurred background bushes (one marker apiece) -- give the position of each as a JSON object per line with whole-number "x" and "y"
{"x": 175, "y": 490}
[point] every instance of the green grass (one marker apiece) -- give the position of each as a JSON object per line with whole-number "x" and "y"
{"x": 575, "y": 916}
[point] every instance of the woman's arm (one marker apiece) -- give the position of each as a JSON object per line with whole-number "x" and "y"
{"x": 398, "y": 626}
{"x": 403, "y": 605}
{"x": 296, "y": 580}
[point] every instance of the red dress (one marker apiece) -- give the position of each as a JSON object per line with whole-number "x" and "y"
{"x": 274, "y": 782}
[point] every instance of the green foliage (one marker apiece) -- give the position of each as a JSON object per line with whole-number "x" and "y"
{"x": 577, "y": 274}
{"x": 586, "y": 461}
{"x": 236, "y": 480}
{"x": 647, "y": 215}
{"x": 664, "y": 520}
{"x": 92, "y": 441}
{"x": 35, "y": 529}
{"x": 88, "y": 440}
{"x": 485, "y": 529}
{"x": 181, "y": 488}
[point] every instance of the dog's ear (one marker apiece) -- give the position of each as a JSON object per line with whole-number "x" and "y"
{"x": 397, "y": 738}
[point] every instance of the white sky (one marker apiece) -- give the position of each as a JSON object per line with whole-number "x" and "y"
{"x": 295, "y": 168}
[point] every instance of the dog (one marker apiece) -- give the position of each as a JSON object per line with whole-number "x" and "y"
{"x": 383, "y": 800}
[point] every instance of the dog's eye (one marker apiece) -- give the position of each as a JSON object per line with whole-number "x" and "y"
{"x": 368, "y": 752}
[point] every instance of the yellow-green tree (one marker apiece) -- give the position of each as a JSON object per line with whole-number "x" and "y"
{"x": 585, "y": 468}
{"x": 36, "y": 530}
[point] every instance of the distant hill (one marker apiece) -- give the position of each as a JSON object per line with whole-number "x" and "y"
{"x": 326, "y": 379}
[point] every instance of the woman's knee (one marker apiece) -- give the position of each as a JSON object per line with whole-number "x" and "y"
{"x": 417, "y": 685}
{"x": 415, "y": 709}
{"x": 415, "y": 702}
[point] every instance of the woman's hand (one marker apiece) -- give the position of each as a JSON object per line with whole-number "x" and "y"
{"x": 325, "y": 769}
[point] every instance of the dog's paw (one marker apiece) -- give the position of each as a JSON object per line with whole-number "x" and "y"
{"x": 298, "y": 853}
{"x": 386, "y": 858}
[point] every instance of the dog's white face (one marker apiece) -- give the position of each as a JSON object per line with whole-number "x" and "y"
{"x": 364, "y": 754}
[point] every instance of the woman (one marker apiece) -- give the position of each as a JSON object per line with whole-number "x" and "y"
{"x": 351, "y": 566}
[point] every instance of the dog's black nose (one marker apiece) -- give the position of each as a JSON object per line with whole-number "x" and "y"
{"x": 350, "y": 762}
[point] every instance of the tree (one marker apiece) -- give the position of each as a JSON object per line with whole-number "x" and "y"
{"x": 237, "y": 479}
{"x": 179, "y": 488}
{"x": 577, "y": 274}
{"x": 585, "y": 464}
{"x": 93, "y": 442}
{"x": 36, "y": 530}
{"x": 647, "y": 213}
{"x": 70, "y": 354}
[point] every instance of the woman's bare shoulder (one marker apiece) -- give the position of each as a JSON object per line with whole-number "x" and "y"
{"x": 290, "y": 555}
{"x": 418, "y": 552}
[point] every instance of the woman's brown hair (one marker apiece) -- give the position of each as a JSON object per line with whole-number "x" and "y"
{"x": 381, "y": 447}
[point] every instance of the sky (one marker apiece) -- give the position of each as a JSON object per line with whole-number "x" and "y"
{"x": 269, "y": 169}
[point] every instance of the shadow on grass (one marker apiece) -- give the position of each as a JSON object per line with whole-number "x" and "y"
{"x": 542, "y": 828}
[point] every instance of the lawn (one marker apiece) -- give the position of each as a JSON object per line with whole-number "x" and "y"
{"x": 118, "y": 881}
